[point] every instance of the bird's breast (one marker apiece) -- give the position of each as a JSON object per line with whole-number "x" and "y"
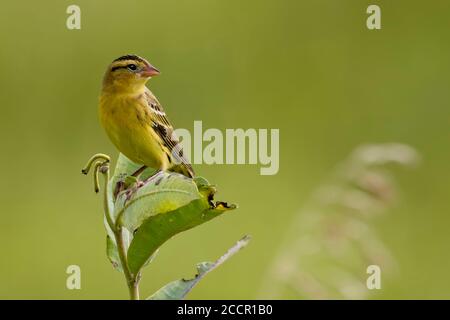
{"x": 128, "y": 127}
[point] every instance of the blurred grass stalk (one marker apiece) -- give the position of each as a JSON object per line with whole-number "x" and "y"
{"x": 331, "y": 241}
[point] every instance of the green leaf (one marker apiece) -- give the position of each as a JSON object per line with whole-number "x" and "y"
{"x": 178, "y": 289}
{"x": 112, "y": 253}
{"x": 164, "y": 192}
{"x": 161, "y": 227}
{"x": 159, "y": 207}
{"x": 158, "y": 193}
{"x": 124, "y": 168}
{"x": 111, "y": 246}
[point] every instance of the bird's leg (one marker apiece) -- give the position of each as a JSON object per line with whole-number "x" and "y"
{"x": 126, "y": 181}
{"x": 134, "y": 178}
{"x": 139, "y": 172}
{"x": 120, "y": 186}
{"x": 153, "y": 175}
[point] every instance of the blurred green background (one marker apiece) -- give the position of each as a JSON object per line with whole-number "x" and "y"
{"x": 310, "y": 68}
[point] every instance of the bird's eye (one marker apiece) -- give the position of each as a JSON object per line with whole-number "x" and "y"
{"x": 132, "y": 67}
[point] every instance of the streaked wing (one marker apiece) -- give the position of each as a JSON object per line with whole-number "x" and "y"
{"x": 164, "y": 130}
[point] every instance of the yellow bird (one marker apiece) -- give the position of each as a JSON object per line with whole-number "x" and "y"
{"x": 134, "y": 119}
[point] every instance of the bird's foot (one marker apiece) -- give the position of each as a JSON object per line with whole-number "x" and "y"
{"x": 127, "y": 183}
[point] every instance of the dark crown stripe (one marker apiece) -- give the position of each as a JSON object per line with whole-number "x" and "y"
{"x": 130, "y": 57}
{"x": 118, "y": 67}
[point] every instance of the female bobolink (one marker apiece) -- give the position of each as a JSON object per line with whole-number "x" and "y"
{"x": 134, "y": 119}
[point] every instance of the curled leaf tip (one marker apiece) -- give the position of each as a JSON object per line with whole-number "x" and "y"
{"x": 220, "y": 205}
{"x": 96, "y": 158}
{"x": 101, "y": 165}
{"x": 104, "y": 168}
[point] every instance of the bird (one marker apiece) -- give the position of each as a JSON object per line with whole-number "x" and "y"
{"x": 135, "y": 121}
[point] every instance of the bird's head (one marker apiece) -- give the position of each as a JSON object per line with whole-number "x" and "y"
{"x": 128, "y": 73}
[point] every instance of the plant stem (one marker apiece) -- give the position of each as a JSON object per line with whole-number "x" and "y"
{"x": 132, "y": 280}
{"x": 108, "y": 214}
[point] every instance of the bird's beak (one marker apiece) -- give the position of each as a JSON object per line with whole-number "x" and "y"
{"x": 150, "y": 71}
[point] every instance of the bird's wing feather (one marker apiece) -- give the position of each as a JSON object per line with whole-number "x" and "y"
{"x": 164, "y": 130}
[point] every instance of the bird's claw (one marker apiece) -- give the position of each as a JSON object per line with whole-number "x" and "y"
{"x": 127, "y": 183}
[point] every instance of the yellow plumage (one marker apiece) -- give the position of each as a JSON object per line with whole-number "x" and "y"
{"x": 134, "y": 119}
